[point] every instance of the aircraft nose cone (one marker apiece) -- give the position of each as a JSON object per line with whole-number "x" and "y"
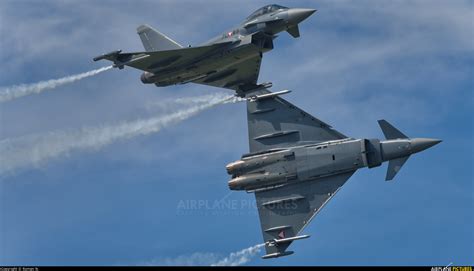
{"x": 297, "y": 15}
{"x": 421, "y": 144}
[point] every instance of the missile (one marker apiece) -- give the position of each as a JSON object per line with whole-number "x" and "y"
{"x": 277, "y": 254}
{"x": 276, "y": 242}
{"x": 255, "y": 98}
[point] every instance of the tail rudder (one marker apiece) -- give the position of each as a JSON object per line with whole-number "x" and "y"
{"x": 394, "y": 167}
{"x": 390, "y": 131}
{"x": 153, "y": 40}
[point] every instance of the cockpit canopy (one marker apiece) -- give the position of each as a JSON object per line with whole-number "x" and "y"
{"x": 265, "y": 10}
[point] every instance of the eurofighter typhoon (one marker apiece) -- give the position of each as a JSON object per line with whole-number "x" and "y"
{"x": 297, "y": 163}
{"x": 230, "y": 60}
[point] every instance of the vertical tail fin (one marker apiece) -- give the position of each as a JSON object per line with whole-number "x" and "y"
{"x": 155, "y": 41}
{"x": 389, "y": 131}
{"x": 394, "y": 167}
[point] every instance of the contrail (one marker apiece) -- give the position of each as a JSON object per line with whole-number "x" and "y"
{"x": 239, "y": 257}
{"x": 171, "y": 103}
{"x": 208, "y": 259}
{"x": 17, "y": 91}
{"x": 33, "y": 150}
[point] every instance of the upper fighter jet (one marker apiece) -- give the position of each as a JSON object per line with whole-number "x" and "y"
{"x": 230, "y": 60}
{"x": 297, "y": 163}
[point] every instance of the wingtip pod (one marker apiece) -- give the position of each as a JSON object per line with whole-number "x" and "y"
{"x": 277, "y": 254}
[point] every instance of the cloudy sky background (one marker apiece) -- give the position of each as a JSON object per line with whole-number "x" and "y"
{"x": 410, "y": 62}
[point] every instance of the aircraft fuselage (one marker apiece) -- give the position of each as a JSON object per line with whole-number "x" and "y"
{"x": 314, "y": 161}
{"x": 247, "y": 40}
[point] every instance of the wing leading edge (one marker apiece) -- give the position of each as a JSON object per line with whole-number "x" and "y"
{"x": 157, "y": 61}
{"x": 276, "y": 123}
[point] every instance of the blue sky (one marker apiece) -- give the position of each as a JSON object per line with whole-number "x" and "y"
{"x": 410, "y": 62}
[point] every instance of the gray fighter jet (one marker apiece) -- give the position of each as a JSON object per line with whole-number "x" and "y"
{"x": 297, "y": 163}
{"x": 231, "y": 60}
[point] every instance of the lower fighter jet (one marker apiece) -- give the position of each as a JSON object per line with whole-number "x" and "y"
{"x": 297, "y": 163}
{"x": 230, "y": 60}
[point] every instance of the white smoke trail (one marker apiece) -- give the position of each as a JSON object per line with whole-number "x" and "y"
{"x": 239, "y": 257}
{"x": 33, "y": 150}
{"x": 171, "y": 103}
{"x": 17, "y": 91}
{"x": 194, "y": 259}
{"x": 207, "y": 258}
